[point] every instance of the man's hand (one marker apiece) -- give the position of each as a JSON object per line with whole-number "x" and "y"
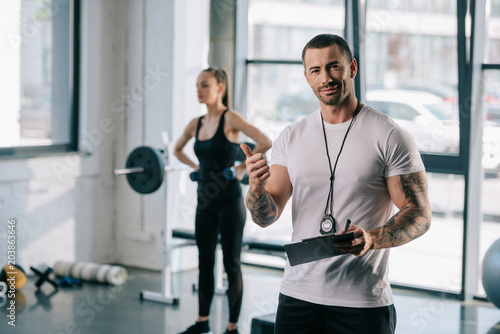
{"x": 258, "y": 170}
{"x": 361, "y": 243}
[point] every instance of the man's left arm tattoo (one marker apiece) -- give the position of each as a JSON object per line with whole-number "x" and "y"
{"x": 412, "y": 220}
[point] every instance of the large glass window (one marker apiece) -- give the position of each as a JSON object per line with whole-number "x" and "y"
{"x": 283, "y": 36}
{"x": 422, "y": 262}
{"x": 493, "y": 54}
{"x": 490, "y": 225}
{"x": 411, "y": 69}
{"x": 277, "y": 96}
{"x": 412, "y": 75}
{"x": 37, "y": 61}
{"x": 277, "y": 91}
{"x": 489, "y": 228}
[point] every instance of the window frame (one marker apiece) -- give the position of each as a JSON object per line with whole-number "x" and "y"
{"x": 26, "y": 152}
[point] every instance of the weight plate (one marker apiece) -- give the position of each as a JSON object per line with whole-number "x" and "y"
{"x": 154, "y": 170}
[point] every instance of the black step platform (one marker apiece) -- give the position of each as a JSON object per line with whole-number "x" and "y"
{"x": 263, "y": 324}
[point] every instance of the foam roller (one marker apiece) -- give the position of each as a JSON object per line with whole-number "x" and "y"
{"x": 92, "y": 272}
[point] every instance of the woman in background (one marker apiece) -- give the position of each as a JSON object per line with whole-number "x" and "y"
{"x": 220, "y": 208}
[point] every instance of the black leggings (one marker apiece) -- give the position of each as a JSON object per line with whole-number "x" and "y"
{"x": 226, "y": 218}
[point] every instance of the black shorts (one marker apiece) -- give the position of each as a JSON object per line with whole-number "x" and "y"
{"x": 295, "y": 316}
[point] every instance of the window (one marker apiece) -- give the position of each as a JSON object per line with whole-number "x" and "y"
{"x": 413, "y": 74}
{"x": 277, "y": 92}
{"x": 489, "y": 230}
{"x": 411, "y": 55}
{"x": 38, "y": 56}
{"x": 283, "y": 36}
{"x": 433, "y": 261}
{"x": 493, "y": 54}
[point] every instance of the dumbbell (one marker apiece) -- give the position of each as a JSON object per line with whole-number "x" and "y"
{"x": 228, "y": 173}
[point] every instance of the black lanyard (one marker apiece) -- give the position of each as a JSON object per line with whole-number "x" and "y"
{"x": 328, "y": 222}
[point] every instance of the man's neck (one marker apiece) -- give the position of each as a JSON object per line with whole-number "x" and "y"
{"x": 337, "y": 114}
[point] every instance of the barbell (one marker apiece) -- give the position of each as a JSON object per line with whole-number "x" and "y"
{"x": 145, "y": 169}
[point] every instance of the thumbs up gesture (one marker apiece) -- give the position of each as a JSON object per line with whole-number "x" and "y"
{"x": 258, "y": 170}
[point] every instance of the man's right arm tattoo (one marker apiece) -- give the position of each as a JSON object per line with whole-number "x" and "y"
{"x": 263, "y": 208}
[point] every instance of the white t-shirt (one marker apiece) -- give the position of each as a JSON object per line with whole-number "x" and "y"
{"x": 375, "y": 149}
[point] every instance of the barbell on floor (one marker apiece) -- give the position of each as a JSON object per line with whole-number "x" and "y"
{"x": 145, "y": 169}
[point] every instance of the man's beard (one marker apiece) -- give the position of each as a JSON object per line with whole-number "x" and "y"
{"x": 337, "y": 98}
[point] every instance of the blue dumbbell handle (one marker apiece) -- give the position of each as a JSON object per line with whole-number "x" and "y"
{"x": 229, "y": 173}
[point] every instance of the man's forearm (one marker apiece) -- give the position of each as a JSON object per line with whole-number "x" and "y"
{"x": 403, "y": 227}
{"x": 411, "y": 221}
{"x": 263, "y": 208}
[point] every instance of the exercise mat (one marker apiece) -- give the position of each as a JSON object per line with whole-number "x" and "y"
{"x": 93, "y": 272}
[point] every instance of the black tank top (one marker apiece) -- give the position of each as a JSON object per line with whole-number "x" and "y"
{"x": 214, "y": 155}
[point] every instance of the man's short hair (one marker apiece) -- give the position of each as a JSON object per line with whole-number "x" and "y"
{"x": 325, "y": 40}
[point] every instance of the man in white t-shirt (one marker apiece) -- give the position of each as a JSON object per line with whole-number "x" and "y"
{"x": 346, "y": 161}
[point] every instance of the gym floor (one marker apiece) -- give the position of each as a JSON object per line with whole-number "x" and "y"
{"x": 96, "y": 308}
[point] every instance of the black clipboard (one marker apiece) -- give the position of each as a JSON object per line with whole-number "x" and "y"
{"x": 314, "y": 249}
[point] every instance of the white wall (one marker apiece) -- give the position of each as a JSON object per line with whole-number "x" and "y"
{"x": 139, "y": 64}
{"x": 146, "y": 113}
{"x": 61, "y": 203}
{"x": 169, "y": 39}
{"x": 10, "y": 54}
